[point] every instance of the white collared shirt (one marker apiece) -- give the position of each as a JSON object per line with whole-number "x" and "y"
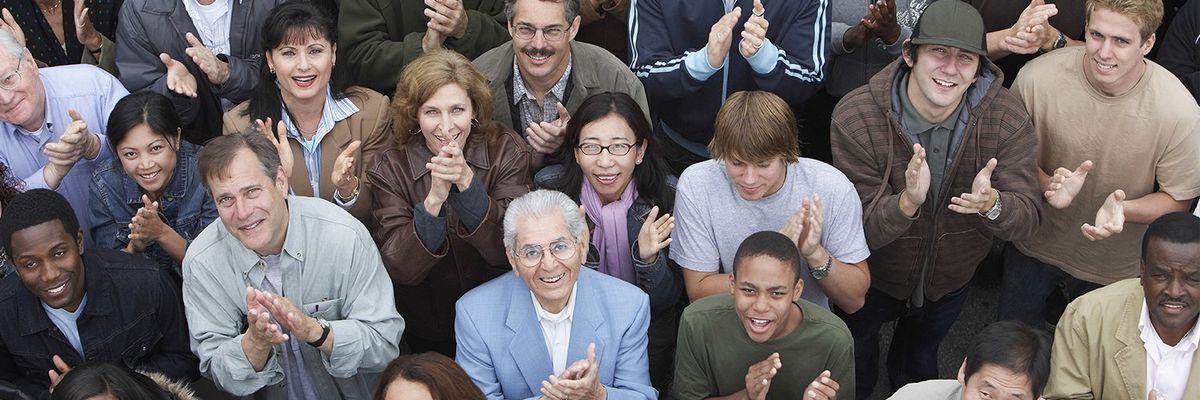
{"x": 556, "y": 329}
{"x": 212, "y": 23}
{"x": 1167, "y": 367}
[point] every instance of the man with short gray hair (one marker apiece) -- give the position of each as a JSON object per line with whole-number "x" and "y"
{"x": 516, "y": 330}
{"x": 52, "y": 123}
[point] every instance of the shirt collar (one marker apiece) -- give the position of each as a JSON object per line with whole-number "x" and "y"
{"x": 1149, "y": 335}
{"x": 520, "y": 92}
{"x": 565, "y": 315}
{"x": 333, "y": 111}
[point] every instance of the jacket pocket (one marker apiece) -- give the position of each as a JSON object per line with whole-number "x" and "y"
{"x": 329, "y": 309}
{"x": 958, "y": 254}
{"x": 136, "y": 351}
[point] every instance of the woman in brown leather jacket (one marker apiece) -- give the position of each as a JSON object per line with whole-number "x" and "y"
{"x": 440, "y": 193}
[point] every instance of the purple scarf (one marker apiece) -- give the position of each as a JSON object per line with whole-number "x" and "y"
{"x": 611, "y": 234}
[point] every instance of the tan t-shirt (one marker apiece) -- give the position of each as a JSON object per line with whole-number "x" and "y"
{"x": 1152, "y": 131}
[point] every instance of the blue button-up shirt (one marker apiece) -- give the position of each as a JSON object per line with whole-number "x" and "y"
{"x": 335, "y": 110}
{"x": 89, "y": 91}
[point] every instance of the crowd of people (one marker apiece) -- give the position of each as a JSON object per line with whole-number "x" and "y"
{"x": 595, "y": 199}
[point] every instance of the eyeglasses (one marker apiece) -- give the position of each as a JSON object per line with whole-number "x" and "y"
{"x": 10, "y": 81}
{"x": 551, "y": 33}
{"x": 616, "y": 149}
{"x": 532, "y": 254}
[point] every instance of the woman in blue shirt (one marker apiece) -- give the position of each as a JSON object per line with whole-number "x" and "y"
{"x": 150, "y": 199}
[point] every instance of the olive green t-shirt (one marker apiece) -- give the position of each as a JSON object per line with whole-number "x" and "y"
{"x": 714, "y": 352}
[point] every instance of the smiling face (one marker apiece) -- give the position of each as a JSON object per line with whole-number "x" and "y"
{"x": 940, "y": 77}
{"x": 25, "y": 104}
{"x": 541, "y": 60}
{"x": 50, "y": 264}
{"x": 446, "y": 116}
{"x": 993, "y": 382}
{"x": 1171, "y": 281}
{"x": 764, "y": 293}
{"x": 1113, "y": 60}
{"x": 609, "y": 174}
{"x": 303, "y": 68}
{"x": 552, "y": 278}
{"x": 252, "y": 205}
{"x": 149, "y": 158}
{"x": 756, "y": 180}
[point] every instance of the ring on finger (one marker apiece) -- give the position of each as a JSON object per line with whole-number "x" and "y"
{"x": 760, "y": 15}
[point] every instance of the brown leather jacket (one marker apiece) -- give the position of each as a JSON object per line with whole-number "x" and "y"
{"x": 937, "y": 248}
{"x": 429, "y": 282}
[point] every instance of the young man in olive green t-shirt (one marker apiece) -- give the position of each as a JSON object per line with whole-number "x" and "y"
{"x": 763, "y": 341}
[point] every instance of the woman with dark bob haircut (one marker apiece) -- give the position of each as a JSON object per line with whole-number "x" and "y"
{"x": 441, "y": 192}
{"x": 616, "y": 174}
{"x": 150, "y": 199}
{"x": 327, "y": 133}
{"x": 426, "y": 375}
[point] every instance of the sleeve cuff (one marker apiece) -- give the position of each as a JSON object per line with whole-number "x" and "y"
{"x": 894, "y": 49}
{"x": 345, "y": 204}
{"x": 471, "y": 205}
{"x": 242, "y": 372}
{"x": 839, "y": 45}
{"x": 763, "y": 62}
{"x": 431, "y": 230}
{"x": 343, "y": 360}
{"x": 697, "y": 66}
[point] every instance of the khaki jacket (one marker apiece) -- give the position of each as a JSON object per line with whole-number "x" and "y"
{"x": 1098, "y": 351}
{"x": 371, "y": 125}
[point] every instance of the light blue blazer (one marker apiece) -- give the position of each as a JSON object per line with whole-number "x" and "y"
{"x": 500, "y": 342}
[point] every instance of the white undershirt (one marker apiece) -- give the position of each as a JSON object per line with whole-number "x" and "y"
{"x": 212, "y": 23}
{"x": 556, "y": 329}
{"x": 1167, "y": 367}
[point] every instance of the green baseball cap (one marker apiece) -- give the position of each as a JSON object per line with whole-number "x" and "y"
{"x": 951, "y": 23}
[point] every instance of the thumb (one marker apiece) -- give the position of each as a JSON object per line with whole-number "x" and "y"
{"x": 1036, "y": 3}
{"x": 146, "y": 201}
{"x": 1084, "y": 167}
{"x": 166, "y": 60}
{"x": 74, "y": 114}
{"x": 192, "y": 41}
{"x": 78, "y": 9}
{"x": 349, "y": 151}
{"x": 758, "y": 7}
{"x": 562, "y": 112}
{"x": 991, "y": 166}
{"x": 1119, "y": 195}
{"x": 591, "y": 353}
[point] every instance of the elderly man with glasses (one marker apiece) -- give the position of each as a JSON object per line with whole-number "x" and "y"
{"x": 551, "y": 328}
{"x": 544, "y": 75}
{"x": 52, "y": 123}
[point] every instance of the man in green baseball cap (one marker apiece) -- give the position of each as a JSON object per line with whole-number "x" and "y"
{"x": 942, "y": 157}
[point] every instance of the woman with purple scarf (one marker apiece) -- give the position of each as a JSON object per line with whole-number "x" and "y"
{"x": 628, "y": 194}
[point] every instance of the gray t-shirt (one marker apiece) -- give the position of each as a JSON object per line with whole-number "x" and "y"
{"x": 712, "y": 218}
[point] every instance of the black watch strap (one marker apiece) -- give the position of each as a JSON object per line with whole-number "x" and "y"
{"x": 324, "y": 333}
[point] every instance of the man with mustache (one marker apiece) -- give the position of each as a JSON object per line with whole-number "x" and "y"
{"x": 545, "y": 74}
{"x": 1137, "y": 338}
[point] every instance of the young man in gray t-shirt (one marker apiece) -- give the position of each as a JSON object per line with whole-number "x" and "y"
{"x": 757, "y": 181}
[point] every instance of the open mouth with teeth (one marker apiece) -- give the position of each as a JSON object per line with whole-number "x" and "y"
{"x": 304, "y": 81}
{"x": 758, "y": 325}
{"x": 251, "y": 226}
{"x": 553, "y": 279}
{"x": 606, "y": 179}
{"x": 1105, "y": 67}
{"x": 1173, "y": 306}
{"x": 944, "y": 83}
{"x": 149, "y": 176}
{"x": 58, "y": 290}
{"x": 538, "y": 57}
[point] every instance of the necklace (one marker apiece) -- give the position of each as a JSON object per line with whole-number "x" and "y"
{"x": 50, "y": 8}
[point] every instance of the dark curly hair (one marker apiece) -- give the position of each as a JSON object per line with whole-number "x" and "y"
{"x": 9, "y": 186}
{"x": 32, "y": 208}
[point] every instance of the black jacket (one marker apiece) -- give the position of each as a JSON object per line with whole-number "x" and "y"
{"x": 1180, "y": 52}
{"x": 133, "y": 317}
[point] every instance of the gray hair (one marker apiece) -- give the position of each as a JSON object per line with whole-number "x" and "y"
{"x": 10, "y": 46}
{"x": 570, "y": 9}
{"x": 539, "y": 203}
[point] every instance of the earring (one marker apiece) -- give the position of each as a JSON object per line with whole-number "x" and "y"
{"x": 639, "y": 161}
{"x": 415, "y": 132}
{"x": 272, "y": 70}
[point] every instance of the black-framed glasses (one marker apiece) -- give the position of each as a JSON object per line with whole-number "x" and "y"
{"x": 551, "y": 33}
{"x": 616, "y": 149}
{"x": 532, "y": 254}
{"x": 10, "y": 81}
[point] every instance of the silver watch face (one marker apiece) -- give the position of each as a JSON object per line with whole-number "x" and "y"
{"x": 820, "y": 273}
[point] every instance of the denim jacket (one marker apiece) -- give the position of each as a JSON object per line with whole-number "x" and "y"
{"x": 185, "y": 205}
{"x": 133, "y": 318}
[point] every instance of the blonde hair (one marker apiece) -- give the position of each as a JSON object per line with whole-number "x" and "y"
{"x": 1146, "y": 14}
{"x": 755, "y": 126}
{"x": 424, "y": 76}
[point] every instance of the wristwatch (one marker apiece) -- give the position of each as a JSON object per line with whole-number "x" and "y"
{"x": 1061, "y": 41}
{"x": 994, "y": 213}
{"x": 821, "y": 272}
{"x": 324, "y": 333}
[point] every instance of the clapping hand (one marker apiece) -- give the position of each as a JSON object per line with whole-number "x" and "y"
{"x": 446, "y": 17}
{"x": 547, "y": 137}
{"x": 1110, "y": 218}
{"x": 1065, "y": 185}
{"x": 759, "y": 376}
{"x": 13, "y": 27}
{"x": 754, "y": 32}
{"x": 654, "y": 236}
{"x": 84, "y": 30}
{"x": 179, "y": 80}
{"x": 216, "y": 70}
{"x": 579, "y": 381}
{"x": 822, "y": 388}
{"x": 1031, "y": 29}
{"x": 74, "y": 144}
{"x": 916, "y": 182}
{"x": 343, "y": 171}
{"x": 720, "y": 37}
{"x": 881, "y": 20}
{"x": 261, "y": 332}
{"x": 279, "y": 138}
{"x": 146, "y": 226}
{"x": 60, "y": 370}
{"x": 982, "y": 197}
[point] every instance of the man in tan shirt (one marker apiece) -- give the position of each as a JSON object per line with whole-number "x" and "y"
{"x": 1130, "y": 132}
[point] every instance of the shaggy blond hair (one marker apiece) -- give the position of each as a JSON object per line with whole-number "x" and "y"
{"x": 1146, "y": 14}
{"x": 755, "y": 126}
